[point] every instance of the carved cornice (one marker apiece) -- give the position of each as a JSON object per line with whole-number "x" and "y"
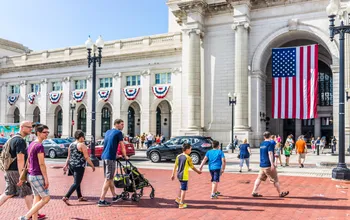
{"x": 78, "y": 62}
{"x": 117, "y": 75}
{"x": 44, "y": 81}
{"x": 23, "y": 83}
{"x": 66, "y": 79}
{"x": 145, "y": 72}
{"x": 176, "y": 70}
{"x": 245, "y": 24}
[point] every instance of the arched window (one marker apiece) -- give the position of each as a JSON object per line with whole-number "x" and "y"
{"x": 16, "y": 116}
{"x": 325, "y": 85}
{"x": 105, "y": 120}
{"x": 36, "y": 115}
{"x": 82, "y": 119}
{"x": 131, "y": 122}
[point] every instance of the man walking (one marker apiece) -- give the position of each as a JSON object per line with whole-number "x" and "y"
{"x": 18, "y": 150}
{"x": 113, "y": 138}
{"x": 301, "y": 150}
{"x": 267, "y": 167}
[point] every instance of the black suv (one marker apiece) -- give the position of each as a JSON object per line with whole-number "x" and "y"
{"x": 173, "y": 147}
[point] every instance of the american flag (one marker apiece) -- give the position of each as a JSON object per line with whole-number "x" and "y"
{"x": 295, "y": 82}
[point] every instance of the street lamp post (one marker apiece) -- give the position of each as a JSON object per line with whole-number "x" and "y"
{"x": 232, "y": 101}
{"x": 341, "y": 172}
{"x": 93, "y": 59}
{"x": 72, "y": 107}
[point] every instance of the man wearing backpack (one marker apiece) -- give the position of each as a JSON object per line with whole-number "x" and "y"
{"x": 16, "y": 148}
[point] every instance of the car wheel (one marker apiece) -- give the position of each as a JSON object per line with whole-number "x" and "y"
{"x": 155, "y": 157}
{"x": 195, "y": 158}
{"x": 52, "y": 154}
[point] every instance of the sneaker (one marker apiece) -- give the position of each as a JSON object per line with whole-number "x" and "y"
{"x": 218, "y": 193}
{"x": 103, "y": 203}
{"x": 116, "y": 198}
{"x": 182, "y": 206}
{"x": 22, "y": 218}
{"x": 214, "y": 196}
{"x": 40, "y": 216}
{"x": 177, "y": 201}
{"x": 302, "y": 165}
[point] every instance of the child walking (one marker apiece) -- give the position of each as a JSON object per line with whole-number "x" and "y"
{"x": 182, "y": 163}
{"x": 217, "y": 165}
{"x": 287, "y": 151}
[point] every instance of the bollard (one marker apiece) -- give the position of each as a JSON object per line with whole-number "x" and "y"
{"x": 318, "y": 149}
{"x": 221, "y": 146}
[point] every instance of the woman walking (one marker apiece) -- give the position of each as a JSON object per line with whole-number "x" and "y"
{"x": 76, "y": 161}
{"x": 37, "y": 172}
{"x": 313, "y": 145}
{"x": 244, "y": 154}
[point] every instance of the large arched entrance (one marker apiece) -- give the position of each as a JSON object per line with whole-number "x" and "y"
{"x": 106, "y": 117}
{"x": 36, "y": 115}
{"x": 163, "y": 119}
{"x": 58, "y": 121}
{"x": 321, "y": 126}
{"x": 134, "y": 119}
{"x": 16, "y": 116}
{"x": 82, "y": 118}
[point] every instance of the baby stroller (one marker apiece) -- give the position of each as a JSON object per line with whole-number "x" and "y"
{"x": 132, "y": 181}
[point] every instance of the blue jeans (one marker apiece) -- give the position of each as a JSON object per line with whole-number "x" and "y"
{"x": 242, "y": 161}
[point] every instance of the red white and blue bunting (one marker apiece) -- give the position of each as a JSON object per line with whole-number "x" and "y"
{"x": 12, "y": 99}
{"x": 78, "y": 96}
{"x": 104, "y": 94}
{"x": 160, "y": 91}
{"x": 55, "y": 97}
{"x": 131, "y": 93}
{"x": 31, "y": 97}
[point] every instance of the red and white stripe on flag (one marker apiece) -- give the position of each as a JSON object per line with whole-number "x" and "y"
{"x": 295, "y": 82}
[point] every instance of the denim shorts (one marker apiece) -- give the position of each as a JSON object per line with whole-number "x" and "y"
{"x": 38, "y": 186}
{"x": 183, "y": 185}
{"x": 215, "y": 175}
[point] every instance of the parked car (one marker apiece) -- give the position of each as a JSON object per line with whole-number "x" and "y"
{"x": 130, "y": 149}
{"x": 173, "y": 147}
{"x": 70, "y": 139}
{"x": 2, "y": 142}
{"x": 56, "y": 147}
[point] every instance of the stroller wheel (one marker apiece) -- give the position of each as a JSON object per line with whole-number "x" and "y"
{"x": 125, "y": 195}
{"x": 151, "y": 195}
{"x": 135, "y": 197}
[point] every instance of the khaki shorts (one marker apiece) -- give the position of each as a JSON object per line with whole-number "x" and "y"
{"x": 267, "y": 172}
{"x": 301, "y": 155}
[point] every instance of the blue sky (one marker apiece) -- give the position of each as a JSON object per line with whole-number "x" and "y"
{"x": 49, "y": 24}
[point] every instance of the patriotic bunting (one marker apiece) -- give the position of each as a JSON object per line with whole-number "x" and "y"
{"x": 78, "y": 96}
{"x": 12, "y": 99}
{"x": 31, "y": 97}
{"x": 55, "y": 97}
{"x": 104, "y": 94}
{"x": 131, "y": 93}
{"x": 160, "y": 91}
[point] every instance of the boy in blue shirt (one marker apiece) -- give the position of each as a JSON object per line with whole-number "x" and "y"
{"x": 217, "y": 164}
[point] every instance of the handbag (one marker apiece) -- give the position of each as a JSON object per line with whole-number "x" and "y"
{"x": 24, "y": 173}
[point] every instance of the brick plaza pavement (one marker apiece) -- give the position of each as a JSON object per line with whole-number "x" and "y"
{"x": 310, "y": 198}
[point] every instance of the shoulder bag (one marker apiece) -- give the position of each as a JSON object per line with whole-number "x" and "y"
{"x": 24, "y": 173}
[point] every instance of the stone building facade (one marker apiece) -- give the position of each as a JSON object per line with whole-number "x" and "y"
{"x": 213, "y": 47}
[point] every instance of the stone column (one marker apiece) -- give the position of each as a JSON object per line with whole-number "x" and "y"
{"x": 23, "y": 101}
{"x": 257, "y": 99}
{"x": 3, "y": 101}
{"x": 88, "y": 109}
{"x": 241, "y": 75}
{"x": 298, "y": 126}
{"x": 147, "y": 96}
{"x": 335, "y": 71}
{"x": 194, "y": 81}
{"x": 43, "y": 101}
{"x": 117, "y": 95}
{"x": 65, "y": 103}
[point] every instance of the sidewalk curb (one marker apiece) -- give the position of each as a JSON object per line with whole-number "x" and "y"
{"x": 327, "y": 164}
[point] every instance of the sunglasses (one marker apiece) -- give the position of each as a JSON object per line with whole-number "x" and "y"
{"x": 27, "y": 126}
{"x": 45, "y": 132}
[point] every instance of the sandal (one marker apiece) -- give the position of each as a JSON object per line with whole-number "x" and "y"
{"x": 65, "y": 200}
{"x": 284, "y": 194}
{"x": 82, "y": 199}
{"x": 256, "y": 195}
